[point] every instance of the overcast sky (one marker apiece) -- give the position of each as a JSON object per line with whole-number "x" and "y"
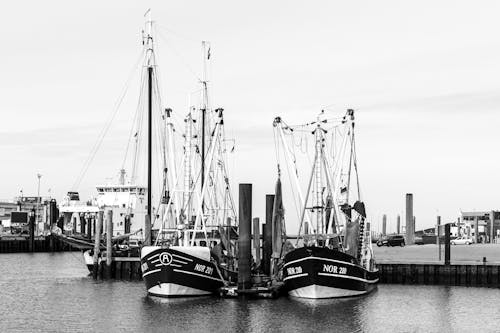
{"x": 424, "y": 77}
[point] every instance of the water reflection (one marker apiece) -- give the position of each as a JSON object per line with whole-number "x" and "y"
{"x": 54, "y": 292}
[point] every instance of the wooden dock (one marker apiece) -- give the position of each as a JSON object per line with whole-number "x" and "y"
{"x": 121, "y": 268}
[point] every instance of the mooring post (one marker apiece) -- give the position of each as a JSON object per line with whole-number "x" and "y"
{"x": 83, "y": 223}
{"x": 97, "y": 243}
{"x": 53, "y": 221}
{"x": 109, "y": 245}
{"x": 447, "y": 244}
{"x": 267, "y": 235}
{"x": 410, "y": 232}
{"x": 492, "y": 225}
{"x": 89, "y": 226}
{"x": 244, "y": 246}
{"x": 384, "y": 225}
{"x": 256, "y": 240}
{"x": 53, "y": 213}
{"x": 476, "y": 229}
{"x": 438, "y": 240}
{"x": 31, "y": 241}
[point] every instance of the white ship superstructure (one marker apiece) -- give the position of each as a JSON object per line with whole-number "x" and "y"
{"x": 128, "y": 203}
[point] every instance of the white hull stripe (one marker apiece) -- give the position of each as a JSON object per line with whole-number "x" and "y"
{"x": 295, "y": 276}
{"x": 179, "y": 261}
{"x": 173, "y": 265}
{"x": 349, "y": 277}
{"x": 151, "y": 272}
{"x": 200, "y": 275}
{"x": 319, "y": 258}
{"x": 156, "y": 255}
{"x": 181, "y": 257}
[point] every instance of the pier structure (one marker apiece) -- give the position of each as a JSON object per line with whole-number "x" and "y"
{"x": 253, "y": 283}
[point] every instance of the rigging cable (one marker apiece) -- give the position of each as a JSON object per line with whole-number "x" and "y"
{"x": 105, "y": 129}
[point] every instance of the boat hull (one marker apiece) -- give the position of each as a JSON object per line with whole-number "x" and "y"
{"x": 89, "y": 260}
{"x": 316, "y": 272}
{"x": 179, "y": 271}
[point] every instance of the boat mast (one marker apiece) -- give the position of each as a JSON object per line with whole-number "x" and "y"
{"x": 318, "y": 205}
{"x": 150, "y": 60}
{"x": 203, "y": 113}
{"x": 188, "y": 149}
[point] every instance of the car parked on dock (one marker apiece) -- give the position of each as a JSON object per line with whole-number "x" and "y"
{"x": 462, "y": 241}
{"x": 393, "y": 240}
{"x": 419, "y": 240}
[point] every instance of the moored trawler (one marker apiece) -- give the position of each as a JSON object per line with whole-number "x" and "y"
{"x": 319, "y": 272}
{"x": 184, "y": 260}
{"x": 336, "y": 258}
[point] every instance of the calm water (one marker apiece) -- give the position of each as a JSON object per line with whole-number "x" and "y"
{"x": 52, "y": 293}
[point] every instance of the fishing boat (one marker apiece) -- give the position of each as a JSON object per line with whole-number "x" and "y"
{"x": 193, "y": 246}
{"x": 332, "y": 256}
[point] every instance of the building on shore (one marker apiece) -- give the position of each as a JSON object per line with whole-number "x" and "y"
{"x": 483, "y": 226}
{"x": 14, "y": 214}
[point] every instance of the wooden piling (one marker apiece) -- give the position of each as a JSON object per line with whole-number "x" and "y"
{"x": 109, "y": 245}
{"x": 492, "y": 226}
{"x": 267, "y": 234}
{"x": 384, "y": 225}
{"x": 52, "y": 220}
{"x": 83, "y": 223}
{"x": 476, "y": 229}
{"x": 438, "y": 240}
{"x": 447, "y": 244}
{"x": 52, "y": 213}
{"x": 31, "y": 242}
{"x": 256, "y": 240}
{"x": 410, "y": 232}
{"x": 89, "y": 227}
{"x": 97, "y": 243}
{"x": 244, "y": 246}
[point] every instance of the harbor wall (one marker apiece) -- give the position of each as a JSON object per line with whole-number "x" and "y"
{"x": 40, "y": 244}
{"x": 477, "y": 275}
{"x": 480, "y": 275}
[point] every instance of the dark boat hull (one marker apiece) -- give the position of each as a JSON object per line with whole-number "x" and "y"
{"x": 179, "y": 271}
{"x": 316, "y": 272}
